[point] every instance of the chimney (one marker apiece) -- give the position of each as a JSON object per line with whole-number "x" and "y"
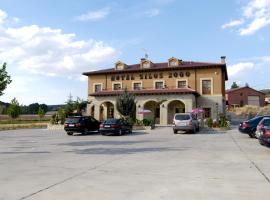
{"x": 223, "y": 59}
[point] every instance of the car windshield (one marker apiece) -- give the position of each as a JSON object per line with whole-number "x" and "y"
{"x": 73, "y": 120}
{"x": 266, "y": 122}
{"x": 182, "y": 117}
{"x": 110, "y": 121}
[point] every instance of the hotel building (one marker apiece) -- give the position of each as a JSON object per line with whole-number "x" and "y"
{"x": 180, "y": 85}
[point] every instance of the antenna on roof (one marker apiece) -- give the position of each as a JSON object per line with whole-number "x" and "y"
{"x": 145, "y": 53}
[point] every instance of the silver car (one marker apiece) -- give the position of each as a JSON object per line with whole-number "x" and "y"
{"x": 185, "y": 122}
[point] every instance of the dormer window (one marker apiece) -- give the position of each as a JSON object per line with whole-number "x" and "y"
{"x": 145, "y": 64}
{"x": 173, "y": 62}
{"x": 120, "y": 66}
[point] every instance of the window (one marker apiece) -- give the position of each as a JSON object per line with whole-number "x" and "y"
{"x": 137, "y": 86}
{"x": 146, "y": 65}
{"x": 120, "y": 67}
{"x": 206, "y": 86}
{"x": 207, "y": 112}
{"x": 173, "y": 63}
{"x": 181, "y": 84}
{"x": 98, "y": 87}
{"x": 117, "y": 86}
{"x": 159, "y": 84}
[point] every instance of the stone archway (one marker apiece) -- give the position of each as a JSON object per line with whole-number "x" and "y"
{"x": 106, "y": 110}
{"x": 175, "y": 106}
{"x": 155, "y": 111}
{"x": 92, "y": 111}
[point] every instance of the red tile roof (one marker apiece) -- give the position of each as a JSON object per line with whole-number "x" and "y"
{"x": 240, "y": 88}
{"x": 160, "y": 67}
{"x": 144, "y": 92}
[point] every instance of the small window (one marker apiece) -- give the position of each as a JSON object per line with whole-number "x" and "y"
{"x": 206, "y": 86}
{"x": 159, "y": 85}
{"x": 137, "y": 86}
{"x": 146, "y": 65}
{"x": 98, "y": 87}
{"x": 182, "y": 84}
{"x": 117, "y": 86}
{"x": 173, "y": 63}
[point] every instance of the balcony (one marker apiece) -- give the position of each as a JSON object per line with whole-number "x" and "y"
{"x": 146, "y": 91}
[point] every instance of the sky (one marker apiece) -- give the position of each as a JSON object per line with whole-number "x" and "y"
{"x": 47, "y": 44}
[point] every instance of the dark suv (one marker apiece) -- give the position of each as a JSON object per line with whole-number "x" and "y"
{"x": 81, "y": 124}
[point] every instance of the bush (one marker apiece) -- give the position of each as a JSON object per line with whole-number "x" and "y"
{"x": 223, "y": 122}
{"x": 147, "y": 122}
{"x": 53, "y": 119}
{"x": 210, "y": 122}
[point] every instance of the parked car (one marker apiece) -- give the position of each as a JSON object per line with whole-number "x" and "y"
{"x": 81, "y": 124}
{"x": 250, "y": 126}
{"x": 185, "y": 122}
{"x": 265, "y": 122}
{"x": 264, "y": 137}
{"x": 115, "y": 127}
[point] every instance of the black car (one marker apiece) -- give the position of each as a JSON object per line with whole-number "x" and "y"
{"x": 249, "y": 127}
{"x": 115, "y": 127}
{"x": 264, "y": 137}
{"x": 81, "y": 124}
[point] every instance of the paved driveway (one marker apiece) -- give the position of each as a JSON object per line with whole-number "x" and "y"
{"x": 42, "y": 164}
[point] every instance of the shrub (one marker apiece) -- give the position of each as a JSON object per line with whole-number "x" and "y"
{"x": 14, "y": 109}
{"x": 53, "y": 119}
{"x": 147, "y": 122}
{"x": 223, "y": 122}
{"x": 210, "y": 122}
{"x": 62, "y": 115}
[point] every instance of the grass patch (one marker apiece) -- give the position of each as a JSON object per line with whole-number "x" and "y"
{"x": 22, "y": 126}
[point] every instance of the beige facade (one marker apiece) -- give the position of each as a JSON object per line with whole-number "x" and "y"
{"x": 182, "y": 86}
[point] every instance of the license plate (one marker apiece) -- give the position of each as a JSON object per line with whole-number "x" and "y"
{"x": 71, "y": 125}
{"x": 107, "y": 126}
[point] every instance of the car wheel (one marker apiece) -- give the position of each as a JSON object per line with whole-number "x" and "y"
{"x": 69, "y": 133}
{"x": 175, "y": 131}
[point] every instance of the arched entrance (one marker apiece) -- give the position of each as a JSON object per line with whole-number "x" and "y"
{"x": 106, "y": 111}
{"x": 155, "y": 111}
{"x": 175, "y": 106}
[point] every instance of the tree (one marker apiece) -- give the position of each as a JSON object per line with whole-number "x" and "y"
{"x": 33, "y": 108}
{"x": 14, "y": 109}
{"x": 44, "y": 107}
{"x": 69, "y": 107}
{"x": 80, "y": 105}
{"x": 125, "y": 104}
{"x": 234, "y": 85}
{"x": 4, "y": 79}
{"x": 41, "y": 113}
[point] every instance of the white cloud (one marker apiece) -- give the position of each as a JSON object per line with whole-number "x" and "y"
{"x": 152, "y": 12}
{"x": 239, "y": 67}
{"x": 254, "y": 26}
{"x": 3, "y": 16}
{"x": 94, "y": 15}
{"x": 256, "y": 15}
{"x": 47, "y": 51}
{"x": 232, "y": 24}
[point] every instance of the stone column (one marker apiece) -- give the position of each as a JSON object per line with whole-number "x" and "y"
{"x": 97, "y": 113}
{"x": 164, "y": 113}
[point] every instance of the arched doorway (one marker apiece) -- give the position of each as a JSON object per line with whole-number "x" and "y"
{"x": 106, "y": 111}
{"x": 155, "y": 111}
{"x": 175, "y": 106}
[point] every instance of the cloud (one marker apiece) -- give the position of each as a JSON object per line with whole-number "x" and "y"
{"x": 94, "y": 15}
{"x": 239, "y": 67}
{"x": 255, "y": 14}
{"x": 232, "y": 24}
{"x": 48, "y": 51}
{"x": 3, "y": 16}
{"x": 152, "y": 12}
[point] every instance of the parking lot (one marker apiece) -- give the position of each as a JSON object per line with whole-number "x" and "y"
{"x": 43, "y": 164}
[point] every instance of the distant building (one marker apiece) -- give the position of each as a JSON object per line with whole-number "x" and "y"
{"x": 242, "y": 96}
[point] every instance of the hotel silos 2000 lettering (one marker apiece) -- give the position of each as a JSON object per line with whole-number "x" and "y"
{"x": 149, "y": 76}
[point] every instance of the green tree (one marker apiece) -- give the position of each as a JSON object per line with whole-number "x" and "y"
{"x": 41, "y": 113}
{"x": 70, "y": 105}
{"x": 61, "y": 113}
{"x": 125, "y": 104}
{"x": 80, "y": 105}
{"x": 234, "y": 85}
{"x": 4, "y": 78}
{"x": 14, "y": 109}
{"x": 33, "y": 108}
